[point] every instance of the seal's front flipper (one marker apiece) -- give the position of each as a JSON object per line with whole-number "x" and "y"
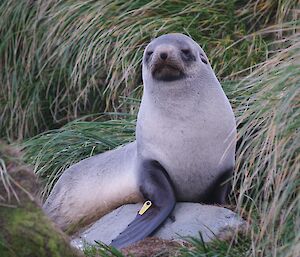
{"x": 156, "y": 187}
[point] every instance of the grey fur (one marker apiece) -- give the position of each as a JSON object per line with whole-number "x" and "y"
{"x": 186, "y": 124}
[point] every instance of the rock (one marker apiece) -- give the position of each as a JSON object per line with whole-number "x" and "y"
{"x": 187, "y": 219}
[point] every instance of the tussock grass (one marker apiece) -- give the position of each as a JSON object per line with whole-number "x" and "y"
{"x": 54, "y": 151}
{"x": 267, "y": 179}
{"x": 238, "y": 246}
{"x": 7, "y": 158}
{"x": 63, "y": 59}
{"x": 268, "y": 163}
{"x": 10, "y": 161}
{"x": 195, "y": 247}
{"x": 7, "y": 183}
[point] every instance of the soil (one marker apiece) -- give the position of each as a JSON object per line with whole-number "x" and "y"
{"x": 153, "y": 246}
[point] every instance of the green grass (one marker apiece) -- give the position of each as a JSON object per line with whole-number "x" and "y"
{"x": 267, "y": 179}
{"x": 10, "y": 159}
{"x": 54, "y": 151}
{"x": 238, "y": 246}
{"x": 268, "y": 161}
{"x": 61, "y": 60}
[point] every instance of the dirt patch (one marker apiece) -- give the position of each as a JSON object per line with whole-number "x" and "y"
{"x": 153, "y": 246}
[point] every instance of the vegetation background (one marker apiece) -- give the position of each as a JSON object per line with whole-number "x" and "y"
{"x": 70, "y": 87}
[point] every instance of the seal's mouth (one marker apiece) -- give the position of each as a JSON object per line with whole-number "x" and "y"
{"x": 167, "y": 72}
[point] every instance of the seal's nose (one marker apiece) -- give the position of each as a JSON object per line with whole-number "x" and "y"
{"x": 163, "y": 55}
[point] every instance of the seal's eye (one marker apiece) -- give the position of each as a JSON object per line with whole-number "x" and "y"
{"x": 186, "y": 51}
{"x": 149, "y": 53}
{"x": 203, "y": 59}
{"x": 187, "y": 55}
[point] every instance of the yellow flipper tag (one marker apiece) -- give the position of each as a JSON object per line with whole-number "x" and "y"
{"x": 145, "y": 207}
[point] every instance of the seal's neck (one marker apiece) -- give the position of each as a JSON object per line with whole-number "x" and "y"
{"x": 186, "y": 94}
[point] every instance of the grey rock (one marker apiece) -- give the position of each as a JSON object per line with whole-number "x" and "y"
{"x": 187, "y": 219}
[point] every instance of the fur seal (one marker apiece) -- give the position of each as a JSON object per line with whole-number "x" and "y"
{"x": 184, "y": 148}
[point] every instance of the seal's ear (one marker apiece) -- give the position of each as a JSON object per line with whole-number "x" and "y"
{"x": 203, "y": 58}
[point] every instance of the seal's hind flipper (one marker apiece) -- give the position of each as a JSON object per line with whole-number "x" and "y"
{"x": 141, "y": 227}
{"x": 155, "y": 186}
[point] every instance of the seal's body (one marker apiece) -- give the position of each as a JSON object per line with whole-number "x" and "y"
{"x": 184, "y": 148}
{"x": 93, "y": 187}
{"x": 190, "y": 130}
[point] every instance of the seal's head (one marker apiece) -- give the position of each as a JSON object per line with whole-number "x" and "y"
{"x": 173, "y": 57}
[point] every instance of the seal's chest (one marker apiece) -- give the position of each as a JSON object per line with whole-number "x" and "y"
{"x": 190, "y": 141}
{"x": 180, "y": 144}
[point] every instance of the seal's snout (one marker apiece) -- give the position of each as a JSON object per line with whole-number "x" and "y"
{"x": 163, "y": 55}
{"x": 166, "y": 63}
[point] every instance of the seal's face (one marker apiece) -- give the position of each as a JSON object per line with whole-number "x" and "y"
{"x": 173, "y": 57}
